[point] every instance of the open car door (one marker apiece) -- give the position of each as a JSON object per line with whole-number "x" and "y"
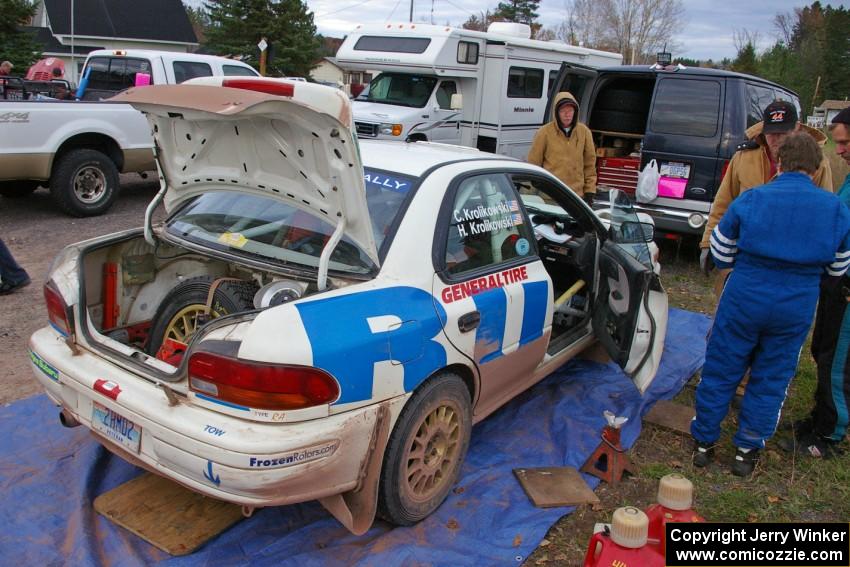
{"x": 630, "y": 311}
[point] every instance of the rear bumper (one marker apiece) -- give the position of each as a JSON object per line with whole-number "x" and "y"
{"x": 232, "y": 459}
{"x": 667, "y": 218}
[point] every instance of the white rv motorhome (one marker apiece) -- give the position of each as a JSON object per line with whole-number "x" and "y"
{"x": 503, "y": 79}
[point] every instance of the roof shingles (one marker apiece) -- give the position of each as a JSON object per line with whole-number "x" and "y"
{"x": 158, "y": 20}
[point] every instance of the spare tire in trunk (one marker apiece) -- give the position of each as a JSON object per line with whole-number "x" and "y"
{"x": 184, "y": 309}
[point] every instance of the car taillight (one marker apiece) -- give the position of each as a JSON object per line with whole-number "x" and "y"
{"x": 260, "y": 385}
{"x": 268, "y": 86}
{"x": 723, "y": 171}
{"x": 57, "y": 311}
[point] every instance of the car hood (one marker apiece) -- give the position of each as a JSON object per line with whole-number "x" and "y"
{"x": 297, "y": 147}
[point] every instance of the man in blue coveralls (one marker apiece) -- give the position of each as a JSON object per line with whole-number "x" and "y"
{"x": 780, "y": 237}
{"x": 819, "y": 435}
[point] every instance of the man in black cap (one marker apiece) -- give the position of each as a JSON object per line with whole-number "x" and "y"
{"x": 754, "y": 164}
{"x": 819, "y": 434}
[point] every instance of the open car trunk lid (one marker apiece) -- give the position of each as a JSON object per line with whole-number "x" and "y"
{"x": 291, "y": 141}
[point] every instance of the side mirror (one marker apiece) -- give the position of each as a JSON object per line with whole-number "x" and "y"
{"x": 143, "y": 79}
{"x": 457, "y": 101}
{"x": 631, "y": 232}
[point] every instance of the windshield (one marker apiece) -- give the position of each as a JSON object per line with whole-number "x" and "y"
{"x": 263, "y": 228}
{"x": 399, "y": 89}
{"x": 630, "y": 231}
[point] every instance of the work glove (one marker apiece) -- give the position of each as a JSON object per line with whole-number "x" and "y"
{"x": 706, "y": 263}
{"x": 588, "y": 198}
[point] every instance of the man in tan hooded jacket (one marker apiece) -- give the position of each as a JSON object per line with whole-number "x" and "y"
{"x": 564, "y": 147}
{"x": 754, "y": 164}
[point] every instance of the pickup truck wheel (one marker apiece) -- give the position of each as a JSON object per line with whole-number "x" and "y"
{"x": 17, "y": 189}
{"x": 84, "y": 183}
{"x": 183, "y": 310}
{"x": 425, "y": 451}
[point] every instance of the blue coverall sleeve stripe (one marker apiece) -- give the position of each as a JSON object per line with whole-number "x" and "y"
{"x": 723, "y": 239}
{"x": 842, "y": 259}
{"x": 722, "y": 249}
{"x": 833, "y": 270}
{"x": 724, "y": 255}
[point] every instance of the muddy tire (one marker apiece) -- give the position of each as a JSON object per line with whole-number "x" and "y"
{"x": 182, "y": 312}
{"x": 84, "y": 183}
{"x": 17, "y": 189}
{"x": 425, "y": 451}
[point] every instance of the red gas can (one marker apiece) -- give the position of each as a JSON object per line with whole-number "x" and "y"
{"x": 675, "y": 498}
{"x": 626, "y": 545}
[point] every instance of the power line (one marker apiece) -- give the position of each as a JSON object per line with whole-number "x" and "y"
{"x": 393, "y": 12}
{"x": 460, "y": 8}
{"x": 342, "y": 9}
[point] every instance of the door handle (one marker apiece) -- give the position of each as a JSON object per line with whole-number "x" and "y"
{"x": 469, "y": 321}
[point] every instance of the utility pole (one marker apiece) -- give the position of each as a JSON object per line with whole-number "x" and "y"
{"x": 815, "y": 96}
{"x": 411, "y": 11}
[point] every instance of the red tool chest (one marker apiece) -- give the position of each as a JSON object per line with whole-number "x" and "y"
{"x": 617, "y": 173}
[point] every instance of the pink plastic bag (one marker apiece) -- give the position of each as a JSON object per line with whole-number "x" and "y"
{"x": 143, "y": 79}
{"x": 672, "y": 187}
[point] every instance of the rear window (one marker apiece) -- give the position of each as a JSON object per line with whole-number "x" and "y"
{"x": 115, "y": 73}
{"x": 185, "y": 70}
{"x": 392, "y": 44}
{"x": 263, "y": 228}
{"x": 386, "y": 193}
{"x": 758, "y": 97}
{"x": 237, "y": 71}
{"x": 688, "y": 107}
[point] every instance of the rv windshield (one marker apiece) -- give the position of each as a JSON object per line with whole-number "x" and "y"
{"x": 400, "y": 89}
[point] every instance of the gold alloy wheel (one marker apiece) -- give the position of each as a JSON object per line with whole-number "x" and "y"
{"x": 433, "y": 452}
{"x": 186, "y": 321}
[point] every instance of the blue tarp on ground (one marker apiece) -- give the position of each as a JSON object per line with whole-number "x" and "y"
{"x": 49, "y": 477}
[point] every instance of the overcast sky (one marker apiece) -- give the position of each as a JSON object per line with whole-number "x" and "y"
{"x": 707, "y": 31}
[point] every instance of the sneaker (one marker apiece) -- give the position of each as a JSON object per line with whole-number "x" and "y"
{"x": 807, "y": 442}
{"x": 745, "y": 461}
{"x": 703, "y": 453}
{"x": 8, "y": 287}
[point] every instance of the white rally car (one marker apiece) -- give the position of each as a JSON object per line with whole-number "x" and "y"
{"x": 322, "y": 319}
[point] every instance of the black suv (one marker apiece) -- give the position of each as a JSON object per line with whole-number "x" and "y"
{"x": 689, "y": 120}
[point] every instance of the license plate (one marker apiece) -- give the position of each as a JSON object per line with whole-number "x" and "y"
{"x": 116, "y": 427}
{"x": 675, "y": 169}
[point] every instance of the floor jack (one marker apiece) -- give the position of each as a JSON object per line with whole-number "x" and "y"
{"x": 609, "y": 461}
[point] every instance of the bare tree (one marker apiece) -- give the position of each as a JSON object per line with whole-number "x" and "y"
{"x": 582, "y": 24}
{"x": 639, "y": 28}
{"x": 744, "y": 37}
{"x": 784, "y": 23}
{"x": 546, "y": 34}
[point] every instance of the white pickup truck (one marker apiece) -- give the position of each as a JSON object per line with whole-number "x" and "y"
{"x": 78, "y": 148}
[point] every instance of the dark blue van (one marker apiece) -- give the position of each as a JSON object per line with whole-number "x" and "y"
{"x": 689, "y": 120}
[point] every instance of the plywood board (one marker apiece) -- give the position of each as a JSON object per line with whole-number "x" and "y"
{"x": 165, "y": 514}
{"x": 671, "y": 416}
{"x": 547, "y": 487}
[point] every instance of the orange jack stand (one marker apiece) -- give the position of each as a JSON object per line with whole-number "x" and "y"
{"x": 609, "y": 461}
